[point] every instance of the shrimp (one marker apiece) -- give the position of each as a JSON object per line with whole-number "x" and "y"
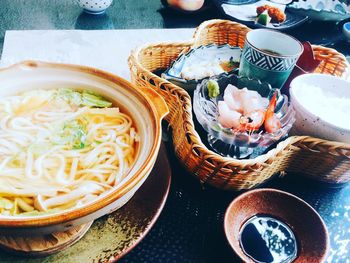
{"x": 232, "y": 99}
{"x": 228, "y": 118}
{"x": 252, "y": 121}
{"x": 242, "y": 109}
{"x": 272, "y": 122}
{"x": 245, "y": 110}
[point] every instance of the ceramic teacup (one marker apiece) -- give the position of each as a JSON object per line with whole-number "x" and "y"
{"x": 269, "y": 56}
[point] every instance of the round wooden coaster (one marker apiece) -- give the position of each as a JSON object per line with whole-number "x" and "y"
{"x": 43, "y": 245}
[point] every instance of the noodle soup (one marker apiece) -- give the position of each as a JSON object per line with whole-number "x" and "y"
{"x": 61, "y": 149}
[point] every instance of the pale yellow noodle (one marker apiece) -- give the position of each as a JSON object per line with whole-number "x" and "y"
{"x": 55, "y": 155}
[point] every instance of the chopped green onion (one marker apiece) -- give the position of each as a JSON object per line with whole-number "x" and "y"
{"x": 93, "y": 100}
{"x": 263, "y": 18}
{"x": 85, "y": 98}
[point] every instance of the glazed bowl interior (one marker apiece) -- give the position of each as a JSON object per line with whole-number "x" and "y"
{"x": 29, "y": 76}
{"x": 307, "y": 226}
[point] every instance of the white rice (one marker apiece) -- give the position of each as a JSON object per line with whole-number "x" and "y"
{"x": 326, "y": 105}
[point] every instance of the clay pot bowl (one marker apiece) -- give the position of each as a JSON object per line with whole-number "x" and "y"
{"x": 143, "y": 105}
{"x": 307, "y": 226}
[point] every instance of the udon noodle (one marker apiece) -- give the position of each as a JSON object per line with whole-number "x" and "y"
{"x": 60, "y": 149}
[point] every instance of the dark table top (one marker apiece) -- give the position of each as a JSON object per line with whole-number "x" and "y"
{"x": 190, "y": 228}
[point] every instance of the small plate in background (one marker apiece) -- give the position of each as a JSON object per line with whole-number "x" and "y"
{"x": 292, "y": 19}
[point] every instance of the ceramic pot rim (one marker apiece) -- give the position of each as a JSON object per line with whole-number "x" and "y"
{"x": 114, "y": 195}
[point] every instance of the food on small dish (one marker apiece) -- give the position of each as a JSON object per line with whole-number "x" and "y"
{"x": 272, "y": 123}
{"x": 247, "y": 111}
{"x": 276, "y": 14}
{"x": 202, "y": 70}
{"x": 60, "y": 149}
{"x": 205, "y": 69}
{"x": 229, "y": 65}
{"x": 239, "y": 117}
{"x": 246, "y": 13}
{"x": 263, "y": 18}
{"x": 190, "y": 68}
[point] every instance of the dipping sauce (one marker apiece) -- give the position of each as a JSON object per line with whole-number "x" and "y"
{"x": 267, "y": 240}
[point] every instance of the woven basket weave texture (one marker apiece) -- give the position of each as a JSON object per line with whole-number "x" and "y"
{"x": 320, "y": 159}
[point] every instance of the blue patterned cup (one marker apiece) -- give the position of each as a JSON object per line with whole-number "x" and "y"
{"x": 269, "y": 56}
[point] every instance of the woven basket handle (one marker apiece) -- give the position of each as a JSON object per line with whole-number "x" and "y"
{"x": 156, "y": 100}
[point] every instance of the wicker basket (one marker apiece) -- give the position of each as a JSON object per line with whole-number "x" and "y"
{"x": 320, "y": 159}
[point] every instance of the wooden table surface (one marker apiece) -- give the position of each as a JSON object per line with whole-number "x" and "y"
{"x": 190, "y": 228}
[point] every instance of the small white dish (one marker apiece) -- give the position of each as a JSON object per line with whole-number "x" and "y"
{"x": 94, "y": 7}
{"x": 310, "y": 121}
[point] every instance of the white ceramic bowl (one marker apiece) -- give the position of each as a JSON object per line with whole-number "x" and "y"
{"x": 309, "y": 123}
{"x": 145, "y": 107}
{"x": 94, "y": 7}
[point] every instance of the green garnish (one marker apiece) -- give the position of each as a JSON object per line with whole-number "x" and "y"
{"x": 71, "y": 96}
{"x": 83, "y": 99}
{"x": 263, "y": 18}
{"x": 72, "y": 134}
{"x": 75, "y": 131}
{"x": 93, "y": 100}
{"x": 213, "y": 88}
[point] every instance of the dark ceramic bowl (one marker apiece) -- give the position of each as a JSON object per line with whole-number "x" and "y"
{"x": 302, "y": 219}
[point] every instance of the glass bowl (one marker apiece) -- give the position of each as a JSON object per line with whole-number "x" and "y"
{"x": 226, "y": 141}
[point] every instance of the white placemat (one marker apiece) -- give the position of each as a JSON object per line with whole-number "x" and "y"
{"x": 104, "y": 49}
